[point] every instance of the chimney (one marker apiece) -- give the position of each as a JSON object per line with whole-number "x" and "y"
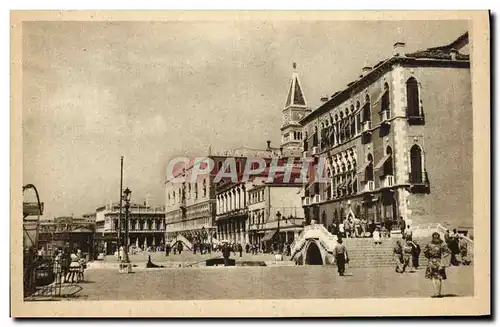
{"x": 324, "y": 99}
{"x": 268, "y": 145}
{"x": 398, "y": 48}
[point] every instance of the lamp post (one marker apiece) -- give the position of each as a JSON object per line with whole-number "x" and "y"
{"x": 125, "y": 266}
{"x": 278, "y": 215}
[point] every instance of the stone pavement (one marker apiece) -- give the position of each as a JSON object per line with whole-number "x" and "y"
{"x": 204, "y": 283}
{"x": 186, "y": 258}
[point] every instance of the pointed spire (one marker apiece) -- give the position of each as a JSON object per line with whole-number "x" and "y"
{"x": 295, "y": 95}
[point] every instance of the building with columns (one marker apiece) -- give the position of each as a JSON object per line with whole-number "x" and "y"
{"x": 146, "y": 226}
{"x": 397, "y": 141}
{"x": 232, "y": 212}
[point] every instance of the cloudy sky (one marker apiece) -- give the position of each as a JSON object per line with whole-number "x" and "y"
{"x": 94, "y": 91}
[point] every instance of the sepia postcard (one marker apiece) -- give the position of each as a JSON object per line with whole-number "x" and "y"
{"x": 250, "y": 164}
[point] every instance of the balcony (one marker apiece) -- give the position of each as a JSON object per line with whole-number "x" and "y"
{"x": 385, "y": 116}
{"x": 416, "y": 119}
{"x": 316, "y": 198}
{"x": 306, "y": 201}
{"x": 388, "y": 181}
{"x": 369, "y": 186}
{"x": 315, "y": 150}
{"x": 366, "y": 126}
{"x": 419, "y": 182}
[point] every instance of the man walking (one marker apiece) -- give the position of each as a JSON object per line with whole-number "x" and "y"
{"x": 341, "y": 257}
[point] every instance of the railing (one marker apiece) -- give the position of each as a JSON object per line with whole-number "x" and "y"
{"x": 366, "y": 126}
{"x": 306, "y": 201}
{"x": 385, "y": 115}
{"x": 147, "y": 210}
{"x": 369, "y": 186}
{"x": 315, "y": 150}
{"x": 317, "y": 198}
{"x": 388, "y": 181}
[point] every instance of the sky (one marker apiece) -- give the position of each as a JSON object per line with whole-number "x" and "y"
{"x": 150, "y": 91}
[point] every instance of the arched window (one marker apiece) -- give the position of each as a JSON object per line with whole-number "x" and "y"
{"x": 416, "y": 169}
{"x": 369, "y": 168}
{"x": 219, "y": 166}
{"x": 385, "y": 102}
{"x": 238, "y": 167}
{"x": 412, "y": 98}
{"x": 204, "y": 188}
{"x": 367, "y": 111}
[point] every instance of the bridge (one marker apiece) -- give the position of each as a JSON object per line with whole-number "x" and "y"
{"x": 315, "y": 246}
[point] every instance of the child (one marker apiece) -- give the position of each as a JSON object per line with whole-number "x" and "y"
{"x": 376, "y": 236}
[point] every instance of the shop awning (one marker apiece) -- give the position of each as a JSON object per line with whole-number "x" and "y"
{"x": 268, "y": 235}
{"x": 382, "y": 161}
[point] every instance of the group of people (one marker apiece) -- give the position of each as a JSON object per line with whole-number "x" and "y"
{"x": 359, "y": 227}
{"x": 458, "y": 245}
{"x": 69, "y": 267}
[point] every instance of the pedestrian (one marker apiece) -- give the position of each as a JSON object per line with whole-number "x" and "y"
{"x": 57, "y": 266}
{"x": 240, "y": 249}
{"x": 402, "y": 226}
{"x": 397, "y": 253}
{"x": 453, "y": 246}
{"x": 377, "y": 236}
{"x": 74, "y": 268}
{"x": 66, "y": 262}
{"x": 408, "y": 235}
{"x": 83, "y": 265}
{"x": 341, "y": 230}
{"x": 407, "y": 254}
{"x": 226, "y": 252}
{"x": 436, "y": 251}
{"x": 462, "y": 245}
{"x": 179, "y": 247}
{"x": 247, "y": 248}
{"x": 341, "y": 257}
{"x": 415, "y": 254}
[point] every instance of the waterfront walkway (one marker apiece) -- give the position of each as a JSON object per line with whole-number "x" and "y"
{"x": 297, "y": 282}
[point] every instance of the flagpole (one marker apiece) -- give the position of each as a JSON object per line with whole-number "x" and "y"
{"x": 121, "y": 199}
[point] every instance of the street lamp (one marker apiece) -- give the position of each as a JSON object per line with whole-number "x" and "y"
{"x": 278, "y": 215}
{"x": 125, "y": 266}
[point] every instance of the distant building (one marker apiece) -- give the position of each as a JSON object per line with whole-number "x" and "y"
{"x": 67, "y": 232}
{"x": 146, "y": 226}
{"x": 398, "y": 141}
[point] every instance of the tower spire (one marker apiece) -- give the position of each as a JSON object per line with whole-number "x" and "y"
{"x": 295, "y": 95}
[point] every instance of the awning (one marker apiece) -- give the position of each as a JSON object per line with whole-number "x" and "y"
{"x": 268, "y": 235}
{"x": 382, "y": 161}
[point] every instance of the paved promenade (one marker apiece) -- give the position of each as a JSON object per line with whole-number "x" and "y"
{"x": 203, "y": 283}
{"x": 186, "y": 258}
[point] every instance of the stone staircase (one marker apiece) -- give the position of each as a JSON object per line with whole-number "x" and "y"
{"x": 364, "y": 253}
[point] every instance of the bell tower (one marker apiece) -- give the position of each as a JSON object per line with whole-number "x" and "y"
{"x": 295, "y": 109}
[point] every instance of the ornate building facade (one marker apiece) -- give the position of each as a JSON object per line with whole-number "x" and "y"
{"x": 146, "y": 226}
{"x": 397, "y": 141}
